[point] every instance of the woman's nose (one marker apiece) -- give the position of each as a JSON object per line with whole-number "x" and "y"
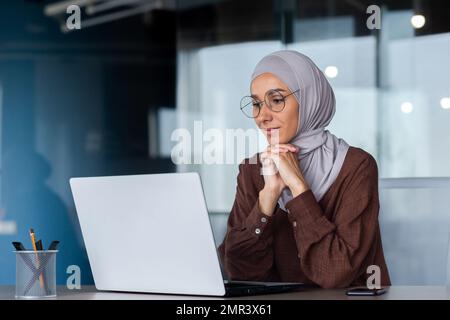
{"x": 265, "y": 113}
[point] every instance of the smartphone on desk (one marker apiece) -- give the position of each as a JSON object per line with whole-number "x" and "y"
{"x": 364, "y": 291}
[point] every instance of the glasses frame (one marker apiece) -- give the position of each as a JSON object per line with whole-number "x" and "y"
{"x": 265, "y": 102}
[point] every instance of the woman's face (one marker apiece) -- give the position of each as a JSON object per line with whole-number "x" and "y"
{"x": 278, "y": 127}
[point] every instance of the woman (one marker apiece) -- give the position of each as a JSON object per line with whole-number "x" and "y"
{"x": 306, "y": 209}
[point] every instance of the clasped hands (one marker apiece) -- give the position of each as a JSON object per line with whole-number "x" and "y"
{"x": 280, "y": 169}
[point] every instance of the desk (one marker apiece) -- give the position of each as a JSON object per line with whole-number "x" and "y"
{"x": 394, "y": 293}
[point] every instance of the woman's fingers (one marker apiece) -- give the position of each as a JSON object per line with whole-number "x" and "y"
{"x": 292, "y": 159}
{"x": 291, "y": 147}
{"x": 287, "y": 157}
{"x": 275, "y": 157}
{"x": 268, "y": 164}
{"x": 282, "y": 148}
{"x": 279, "y": 150}
{"x": 264, "y": 155}
{"x": 274, "y": 153}
{"x": 265, "y": 158}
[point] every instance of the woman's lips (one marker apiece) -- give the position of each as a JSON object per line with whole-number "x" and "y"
{"x": 271, "y": 131}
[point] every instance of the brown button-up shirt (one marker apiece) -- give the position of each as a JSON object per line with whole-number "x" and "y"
{"x": 329, "y": 243}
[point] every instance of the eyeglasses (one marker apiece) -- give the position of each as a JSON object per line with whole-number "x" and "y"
{"x": 273, "y": 99}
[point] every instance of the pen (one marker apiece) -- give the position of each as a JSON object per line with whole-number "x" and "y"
{"x": 33, "y": 242}
{"x": 39, "y": 245}
{"x": 19, "y": 246}
{"x": 53, "y": 245}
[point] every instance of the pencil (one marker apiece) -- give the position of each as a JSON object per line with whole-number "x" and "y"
{"x": 33, "y": 243}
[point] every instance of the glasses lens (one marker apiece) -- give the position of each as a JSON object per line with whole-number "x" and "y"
{"x": 275, "y": 100}
{"x": 250, "y": 107}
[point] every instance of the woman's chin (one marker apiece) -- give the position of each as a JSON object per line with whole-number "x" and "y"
{"x": 275, "y": 140}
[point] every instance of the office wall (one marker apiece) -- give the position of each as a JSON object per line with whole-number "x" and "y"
{"x": 74, "y": 104}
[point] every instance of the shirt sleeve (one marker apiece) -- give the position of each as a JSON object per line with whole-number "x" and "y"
{"x": 334, "y": 253}
{"x": 246, "y": 251}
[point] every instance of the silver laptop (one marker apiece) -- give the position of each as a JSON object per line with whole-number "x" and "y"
{"x": 151, "y": 233}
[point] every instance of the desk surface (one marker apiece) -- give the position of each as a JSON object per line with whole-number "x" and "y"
{"x": 394, "y": 293}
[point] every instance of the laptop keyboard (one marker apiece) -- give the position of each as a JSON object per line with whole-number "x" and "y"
{"x": 240, "y": 285}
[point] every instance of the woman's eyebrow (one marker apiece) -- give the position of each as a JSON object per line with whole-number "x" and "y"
{"x": 277, "y": 89}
